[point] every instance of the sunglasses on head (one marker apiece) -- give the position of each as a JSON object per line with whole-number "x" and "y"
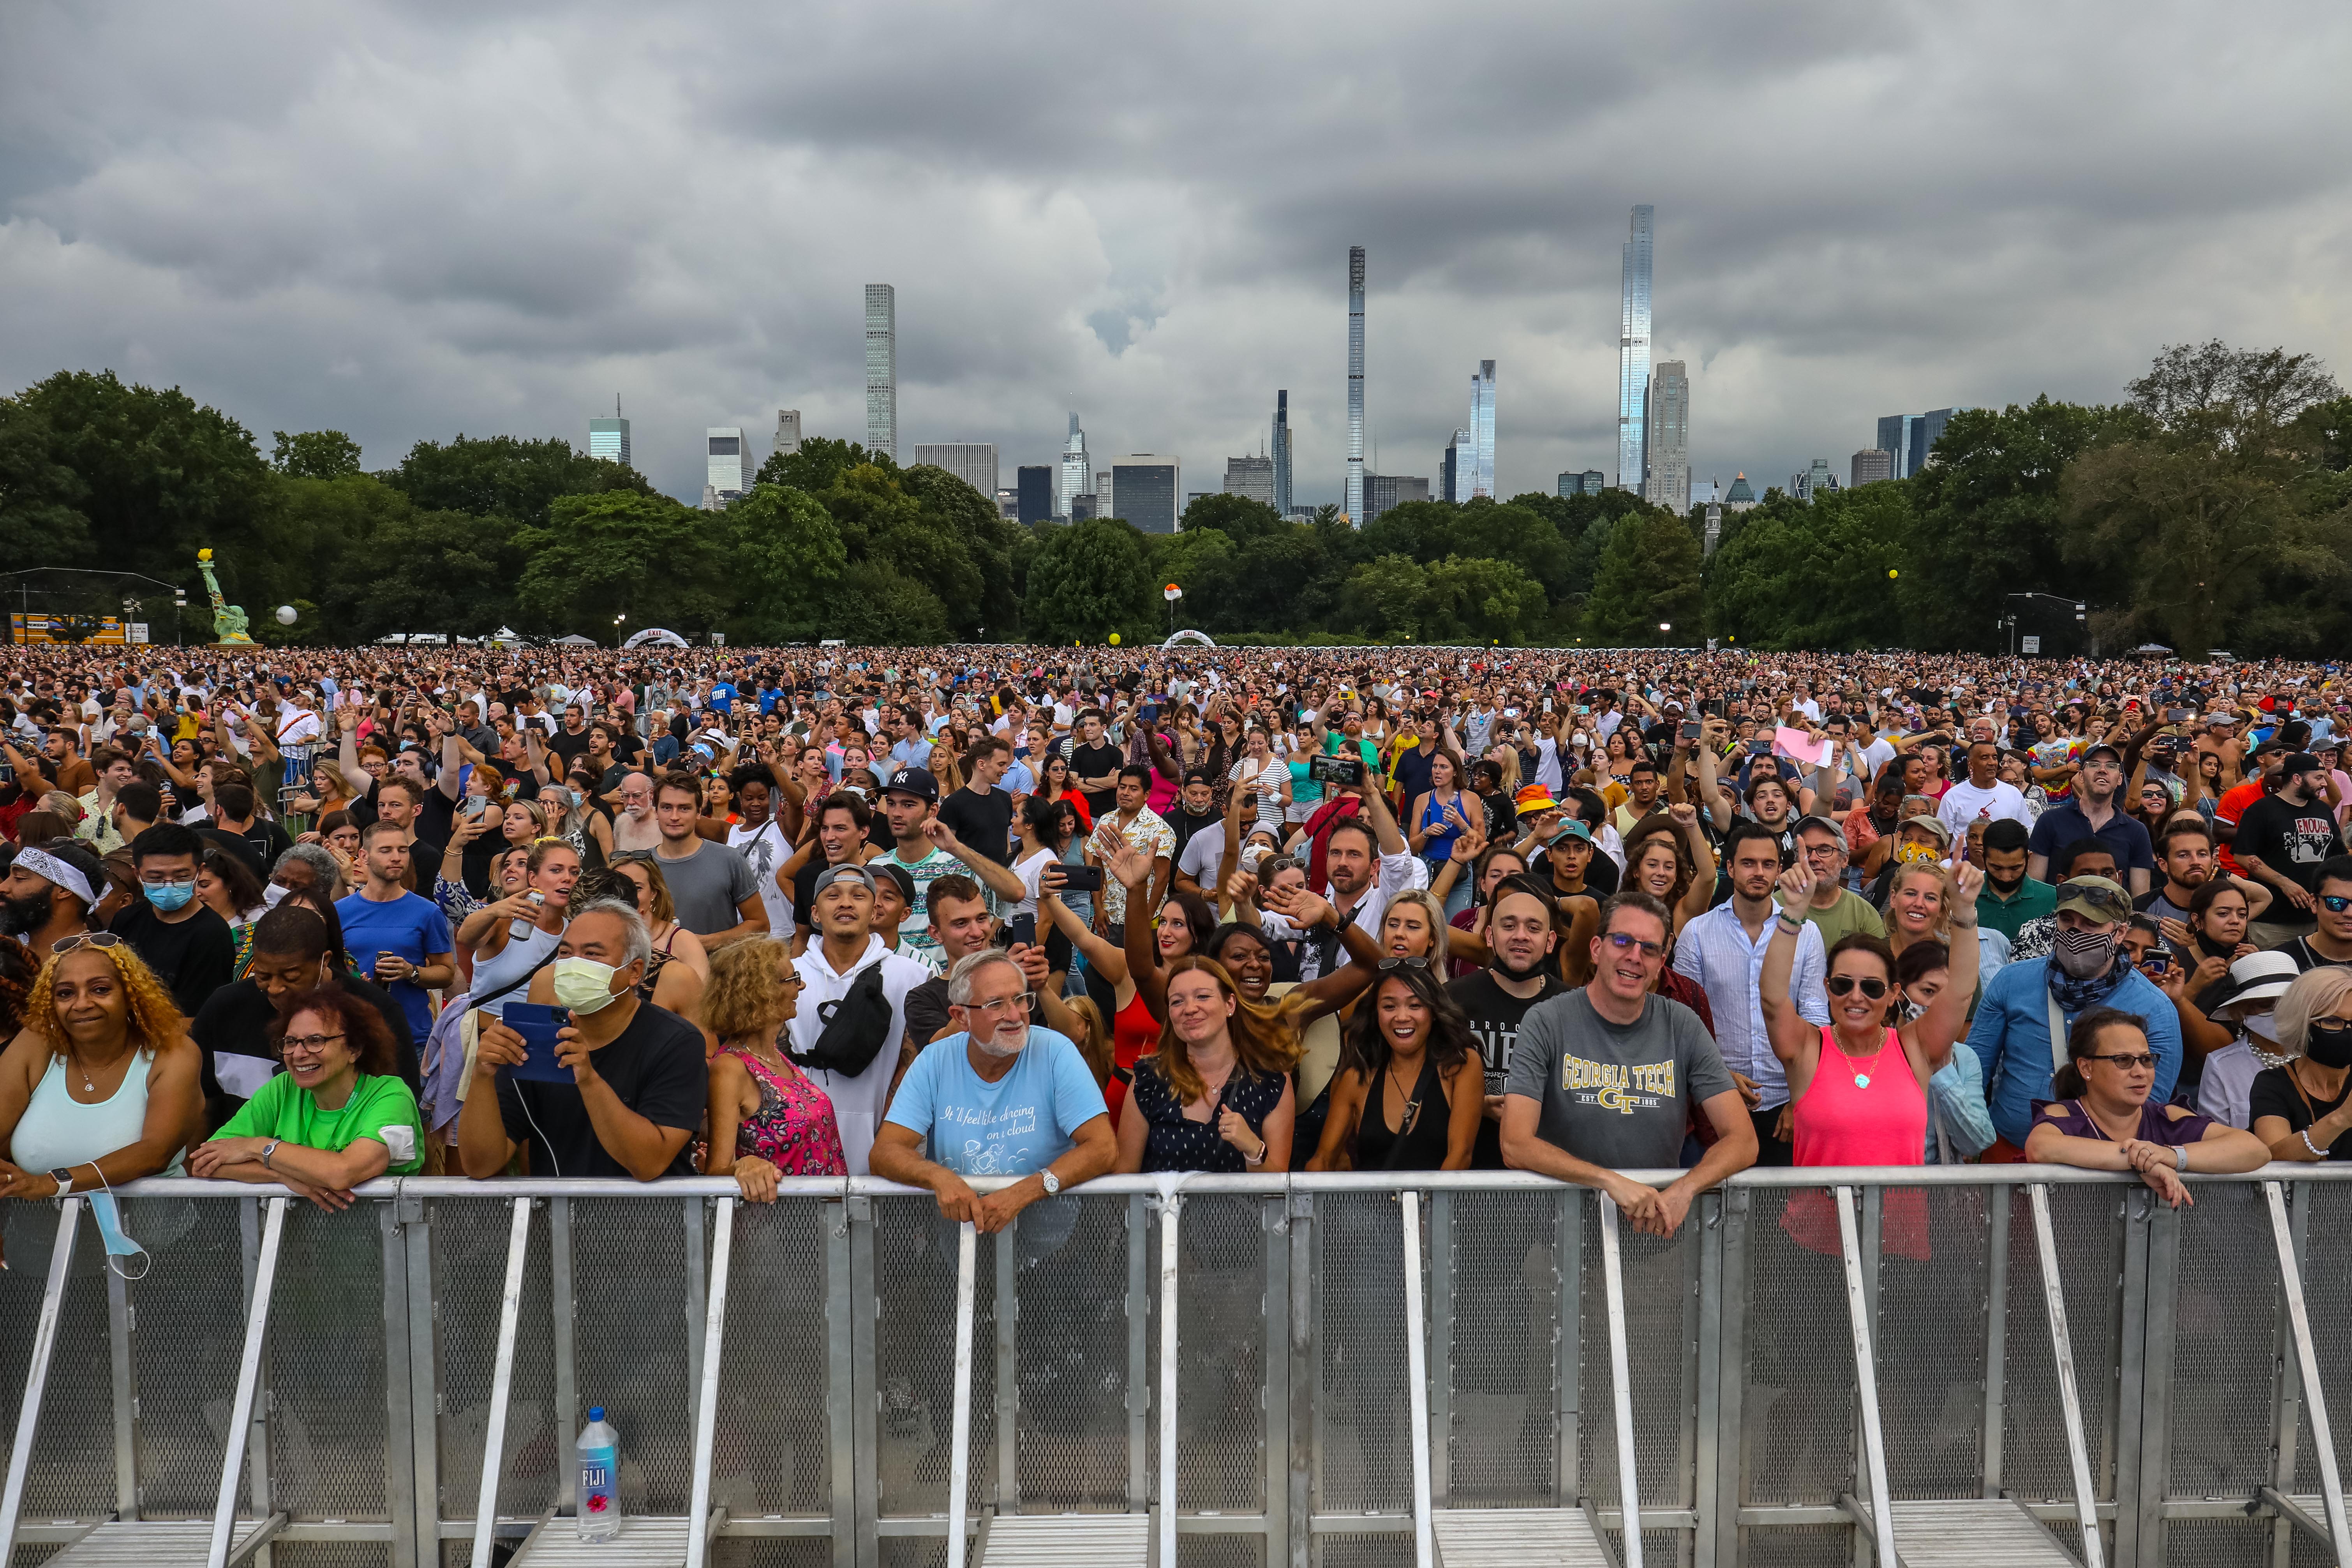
{"x": 1843, "y": 984}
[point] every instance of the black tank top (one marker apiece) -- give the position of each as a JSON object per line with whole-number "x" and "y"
{"x": 1421, "y": 1146}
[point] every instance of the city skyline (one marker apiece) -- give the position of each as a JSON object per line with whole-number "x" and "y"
{"x": 262, "y": 238}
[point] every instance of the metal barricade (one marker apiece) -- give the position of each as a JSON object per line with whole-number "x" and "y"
{"x": 437, "y": 1320}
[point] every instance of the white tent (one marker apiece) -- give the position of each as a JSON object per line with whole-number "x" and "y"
{"x": 575, "y": 640}
{"x": 656, "y": 637}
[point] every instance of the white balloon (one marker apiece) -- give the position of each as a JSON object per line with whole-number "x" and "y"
{"x": 286, "y": 616}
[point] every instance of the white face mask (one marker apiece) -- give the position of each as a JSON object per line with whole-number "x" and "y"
{"x": 272, "y": 894}
{"x": 583, "y": 985}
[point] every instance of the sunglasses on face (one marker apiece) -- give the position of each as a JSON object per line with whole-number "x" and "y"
{"x": 1622, "y": 939}
{"x": 1843, "y": 984}
{"x": 2335, "y": 903}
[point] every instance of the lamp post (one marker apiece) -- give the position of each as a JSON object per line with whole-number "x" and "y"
{"x": 618, "y": 622}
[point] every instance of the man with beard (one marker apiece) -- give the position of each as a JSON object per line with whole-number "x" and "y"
{"x": 2032, "y": 1000}
{"x": 1367, "y": 863}
{"x": 2283, "y": 839}
{"x": 48, "y": 893}
{"x": 2010, "y": 897}
{"x": 2184, "y": 853}
{"x": 1520, "y": 972}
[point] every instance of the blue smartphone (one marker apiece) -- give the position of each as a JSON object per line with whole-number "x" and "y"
{"x": 536, "y": 1024}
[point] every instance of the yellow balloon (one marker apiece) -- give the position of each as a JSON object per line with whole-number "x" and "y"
{"x": 1114, "y": 639}
{"x": 1892, "y": 573}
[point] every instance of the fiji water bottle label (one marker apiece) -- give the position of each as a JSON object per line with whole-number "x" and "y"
{"x": 596, "y": 1466}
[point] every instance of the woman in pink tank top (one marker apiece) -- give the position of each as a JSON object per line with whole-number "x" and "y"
{"x": 1858, "y": 1087}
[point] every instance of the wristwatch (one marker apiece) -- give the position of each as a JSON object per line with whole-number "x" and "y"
{"x": 267, "y": 1150}
{"x": 1052, "y": 1183}
{"x": 63, "y": 1178}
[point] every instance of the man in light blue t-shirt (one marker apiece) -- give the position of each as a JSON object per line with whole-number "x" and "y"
{"x": 1005, "y": 1098}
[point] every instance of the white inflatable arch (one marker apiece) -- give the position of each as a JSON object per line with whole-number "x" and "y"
{"x": 657, "y": 637}
{"x": 1198, "y": 639}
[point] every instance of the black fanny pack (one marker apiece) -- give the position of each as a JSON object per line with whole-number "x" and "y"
{"x": 855, "y": 1029}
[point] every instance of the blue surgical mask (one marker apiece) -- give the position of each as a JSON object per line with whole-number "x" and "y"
{"x": 169, "y": 896}
{"x": 110, "y": 1228}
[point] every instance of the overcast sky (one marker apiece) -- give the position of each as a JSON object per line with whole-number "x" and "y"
{"x": 405, "y": 221}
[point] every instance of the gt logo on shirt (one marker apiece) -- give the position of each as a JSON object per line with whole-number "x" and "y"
{"x": 1617, "y": 1085}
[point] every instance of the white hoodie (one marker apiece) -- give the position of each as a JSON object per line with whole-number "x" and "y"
{"x": 857, "y": 1102}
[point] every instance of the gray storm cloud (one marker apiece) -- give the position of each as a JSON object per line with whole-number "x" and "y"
{"x": 404, "y": 221}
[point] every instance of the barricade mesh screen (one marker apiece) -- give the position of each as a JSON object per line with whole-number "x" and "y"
{"x": 1502, "y": 1276}
{"x": 2327, "y": 1298}
{"x": 800, "y": 1552}
{"x": 915, "y": 1303}
{"x": 772, "y": 1437}
{"x": 2089, "y": 1225}
{"x": 72, "y": 1474}
{"x": 2219, "y": 1543}
{"x": 470, "y": 1271}
{"x": 329, "y": 1555}
{"x": 1808, "y": 1546}
{"x": 184, "y": 1347}
{"x": 1362, "y": 1447}
{"x": 1222, "y": 1324}
{"x": 1072, "y": 1336}
{"x": 2226, "y": 1323}
{"x": 1393, "y": 1551}
{"x": 327, "y": 1417}
{"x": 1796, "y": 1440}
{"x": 630, "y": 1331}
{"x": 1929, "y": 1334}
{"x": 1662, "y": 1353}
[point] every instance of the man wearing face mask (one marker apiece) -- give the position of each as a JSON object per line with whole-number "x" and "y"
{"x": 2019, "y": 1034}
{"x": 188, "y": 946}
{"x": 2010, "y": 897}
{"x": 292, "y": 953}
{"x": 639, "y": 1086}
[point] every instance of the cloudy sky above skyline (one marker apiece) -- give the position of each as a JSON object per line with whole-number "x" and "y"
{"x": 407, "y": 220}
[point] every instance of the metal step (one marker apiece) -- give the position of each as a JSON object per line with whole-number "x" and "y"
{"x": 1519, "y": 1538}
{"x": 162, "y": 1544}
{"x": 1975, "y": 1532}
{"x": 1043, "y": 1540}
{"x": 649, "y": 1541}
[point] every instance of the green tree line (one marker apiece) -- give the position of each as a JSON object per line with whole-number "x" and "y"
{"x": 2212, "y": 507}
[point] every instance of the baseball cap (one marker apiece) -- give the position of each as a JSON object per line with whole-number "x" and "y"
{"x": 917, "y": 781}
{"x": 1574, "y": 827}
{"x": 1932, "y": 825}
{"x": 2094, "y": 898}
{"x": 2301, "y": 763}
{"x": 2090, "y": 751}
{"x": 1825, "y": 824}
{"x": 847, "y": 871}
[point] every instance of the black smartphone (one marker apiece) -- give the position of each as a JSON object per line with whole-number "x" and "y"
{"x": 1689, "y": 729}
{"x": 1082, "y": 879}
{"x": 2176, "y": 715}
{"x": 1022, "y": 931}
{"x": 1335, "y": 770}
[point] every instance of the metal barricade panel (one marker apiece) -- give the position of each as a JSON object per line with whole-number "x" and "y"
{"x": 185, "y": 1342}
{"x": 2327, "y": 1297}
{"x": 1221, "y": 1328}
{"x": 914, "y": 1301}
{"x": 630, "y": 1333}
{"x": 1661, "y": 1351}
{"x": 736, "y": 1551}
{"x": 72, "y": 1470}
{"x": 469, "y": 1261}
{"x": 328, "y": 1417}
{"x": 1797, "y": 1436}
{"x": 1071, "y": 1345}
{"x": 774, "y": 1448}
{"x": 2225, "y": 1301}
{"x": 1362, "y": 1451}
{"x": 2221, "y": 1544}
{"x": 329, "y": 1555}
{"x": 1363, "y": 1551}
{"x": 1501, "y": 1280}
{"x": 1930, "y": 1339}
{"x": 2089, "y": 1225}
{"x": 1803, "y": 1546}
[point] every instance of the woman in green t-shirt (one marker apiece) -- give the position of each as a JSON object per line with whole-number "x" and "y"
{"x": 336, "y": 1117}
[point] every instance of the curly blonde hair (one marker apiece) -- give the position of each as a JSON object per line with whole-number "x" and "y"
{"x": 743, "y": 990}
{"x": 154, "y": 1017}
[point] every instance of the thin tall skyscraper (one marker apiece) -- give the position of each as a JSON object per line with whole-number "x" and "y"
{"x": 1634, "y": 357}
{"x": 1281, "y": 453}
{"x": 1482, "y": 429}
{"x": 609, "y": 439}
{"x": 1668, "y": 434}
{"x": 788, "y": 432}
{"x": 882, "y": 369}
{"x": 1074, "y": 479}
{"x": 1355, "y": 497}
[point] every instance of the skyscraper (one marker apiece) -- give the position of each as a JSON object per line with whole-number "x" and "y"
{"x": 1074, "y": 481}
{"x": 1871, "y": 465}
{"x": 609, "y": 439}
{"x": 1634, "y": 357}
{"x": 882, "y": 369}
{"x": 1894, "y": 438}
{"x": 973, "y": 462}
{"x": 1455, "y": 465}
{"x": 1354, "y": 502}
{"x": 1669, "y": 438}
{"x": 1250, "y": 477}
{"x": 1281, "y": 453}
{"x": 1590, "y": 482}
{"x": 1740, "y": 496}
{"x": 1149, "y": 488}
{"x": 1384, "y": 492}
{"x": 1482, "y": 429}
{"x": 727, "y": 474}
{"x": 1926, "y": 431}
{"x": 1034, "y": 493}
{"x": 1106, "y": 499}
{"x": 788, "y": 432}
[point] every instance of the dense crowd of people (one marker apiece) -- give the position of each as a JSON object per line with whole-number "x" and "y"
{"x": 309, "y": 917}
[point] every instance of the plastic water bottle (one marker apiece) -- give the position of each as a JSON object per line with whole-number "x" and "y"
{"x": 600, "y": 1467}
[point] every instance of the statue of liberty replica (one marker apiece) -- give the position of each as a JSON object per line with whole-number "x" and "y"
{"x": 229, "y": 622}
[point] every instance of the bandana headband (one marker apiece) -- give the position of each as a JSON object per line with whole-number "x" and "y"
{"x": 41, "y": 863}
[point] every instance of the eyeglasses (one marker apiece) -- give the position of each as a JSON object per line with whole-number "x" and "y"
{"x": 86, "y": 939}
{"x": 2129, "y": 1061}
{"x": 791, "y": 977}
{"x": 1843, "y": 984}
{"x": 2335, "y": 903}
{"x": 1017, "y": 1001}
{"x": 1622, "y": 940}
{"x": 147, "y": 881}
{"x": 309, "y": 1044}
{"x": 1402, "y": 962}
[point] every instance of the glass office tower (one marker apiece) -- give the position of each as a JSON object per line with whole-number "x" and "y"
{"x": 1482, "y": 429}
{"x": 1634, "y": 357}
{"x": 882, "y": 369}
{"x": 1355, "y": 493}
